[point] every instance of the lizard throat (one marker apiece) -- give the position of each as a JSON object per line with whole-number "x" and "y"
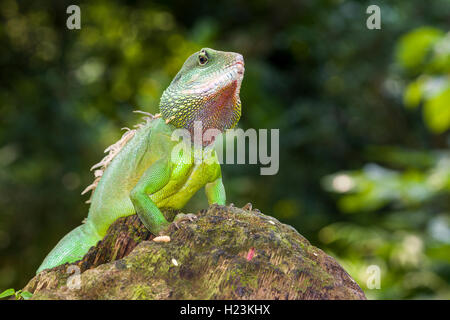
{"x": 216, "y": 105}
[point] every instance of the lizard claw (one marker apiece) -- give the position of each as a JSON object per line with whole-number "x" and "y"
{"x": 248, "y": 207}
{"x": 181, "y": 217}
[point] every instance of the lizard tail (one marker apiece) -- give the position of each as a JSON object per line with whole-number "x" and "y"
{"x": 72, "y": 247}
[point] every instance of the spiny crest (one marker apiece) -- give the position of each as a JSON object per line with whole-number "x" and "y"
{"x": 114, "y": 149}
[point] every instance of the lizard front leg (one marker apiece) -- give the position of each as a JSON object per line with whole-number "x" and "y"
{"x": 215, "y": 192}
{"x": 154, "y": 179}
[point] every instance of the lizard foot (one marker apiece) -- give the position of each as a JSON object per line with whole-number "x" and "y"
{"x": 181, "y": 217}
{"x": 248, "y": 207}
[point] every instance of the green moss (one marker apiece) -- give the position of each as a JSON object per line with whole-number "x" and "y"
{"x": 141, "y": 292}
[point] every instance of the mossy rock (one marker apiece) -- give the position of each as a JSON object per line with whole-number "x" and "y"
{"x": 227, "y": 253}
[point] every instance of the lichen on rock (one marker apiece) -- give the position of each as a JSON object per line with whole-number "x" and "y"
{"x": 226, "y": 253}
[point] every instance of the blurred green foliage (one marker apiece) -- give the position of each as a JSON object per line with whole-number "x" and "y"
{"x": 410, "y": 238}
{"x": 425, "y": 52}
{"x": 361, "y": 176}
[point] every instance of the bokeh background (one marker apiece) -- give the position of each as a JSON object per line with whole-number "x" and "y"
{"x": 364, "y": 119}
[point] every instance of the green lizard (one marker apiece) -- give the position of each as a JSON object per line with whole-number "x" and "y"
{"x": 141, "y": 174}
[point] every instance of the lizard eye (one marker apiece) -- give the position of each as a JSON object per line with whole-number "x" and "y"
{"x": 202, "y": 57}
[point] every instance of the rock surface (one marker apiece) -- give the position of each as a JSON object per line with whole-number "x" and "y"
{"x": 227, "y": 253}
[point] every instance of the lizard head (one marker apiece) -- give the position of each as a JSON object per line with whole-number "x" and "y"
{"x": 206, "y": 89}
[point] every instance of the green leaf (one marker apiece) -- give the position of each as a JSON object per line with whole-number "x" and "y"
{"x": 26, "y": 295}
{"x": 437, "y": 112}
{"x": 414, "y": 46}
{"x": 413, "y": 94}
{"x": 7, "y": 293}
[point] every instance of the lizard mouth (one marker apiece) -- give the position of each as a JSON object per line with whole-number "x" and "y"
{"x": 239, "y": 64}
{"x": 230, "y": 73}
